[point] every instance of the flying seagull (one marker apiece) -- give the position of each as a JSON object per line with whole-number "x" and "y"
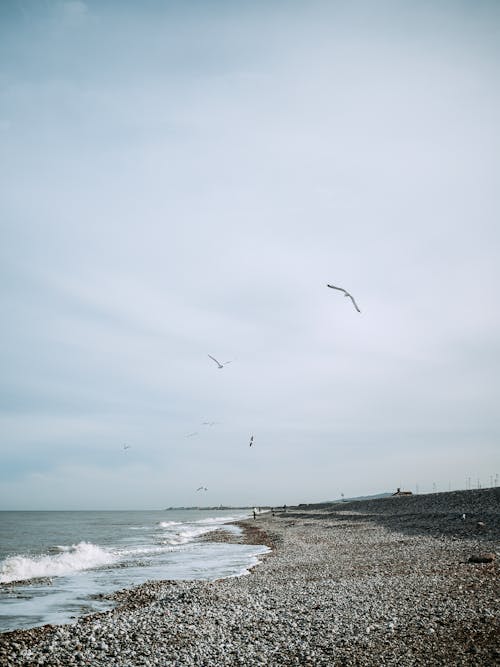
{"x": 209, "y": 423}
{"x": 202, "y": 488}
{"x": 346, "y": 293}
{"x": 251, "y": 441}
{"x": 190, "y": 435}
{"x": 125, "y": 447}
{"x": 219, "y": 365}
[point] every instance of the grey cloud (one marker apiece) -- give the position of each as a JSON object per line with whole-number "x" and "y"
{"x": 181, "y": 183}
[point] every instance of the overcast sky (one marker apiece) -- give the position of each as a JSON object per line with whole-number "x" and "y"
{"x": 184, "y": 178}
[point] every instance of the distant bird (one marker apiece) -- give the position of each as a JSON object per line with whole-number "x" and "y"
{"x": 190, "y": 435}
{"x": 202, "y": 488}
{"x": 209, "y": 423}
{"x": 125, "y": 447}
{"x": 346, "y": 293}
{"x": 463, "y": 517}
{"x": 251, "y": 441}
{"x": 219, "y": 365}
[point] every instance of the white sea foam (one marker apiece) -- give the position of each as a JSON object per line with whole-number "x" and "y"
{"x": 167, "y": 524}
{"x": 82, "y": 556}
{"x": 177, "y": 533}
{"x": 184, "y": 533}
{"x": 184, "y": 536}
{"x": 145, "y": 550}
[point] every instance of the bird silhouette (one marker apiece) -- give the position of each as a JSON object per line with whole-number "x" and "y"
{"x": 202, "y": 488}
{"x": 219, "y": 364}
{"x": 251, "y": 441}
{"x": 346, "y": 293}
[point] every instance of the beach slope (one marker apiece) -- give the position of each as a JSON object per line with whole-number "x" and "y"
{"x": 381, "y": 582}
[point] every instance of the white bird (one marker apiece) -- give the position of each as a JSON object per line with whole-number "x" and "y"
{"x": 346, "y": 293}
{"x": 190, "y": 435}
{"x": 202, "y": 488}
{"x": 209, "y": 423}
{"x": 219, "y": 365}
{"x": 251, "y": 441}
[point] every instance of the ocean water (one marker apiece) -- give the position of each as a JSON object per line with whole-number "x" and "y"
{"x": 65, "y": 560}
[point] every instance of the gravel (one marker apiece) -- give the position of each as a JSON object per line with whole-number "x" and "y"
{"x": 382, "y": 582}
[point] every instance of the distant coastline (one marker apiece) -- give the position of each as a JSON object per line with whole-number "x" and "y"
{"x": 216, "y": 507}
{"x": 399, "y": 580}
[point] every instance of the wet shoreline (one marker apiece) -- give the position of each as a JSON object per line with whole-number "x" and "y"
{"x": 387, "y": 582}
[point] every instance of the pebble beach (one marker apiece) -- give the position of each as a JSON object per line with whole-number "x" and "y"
{"x": 393, "y": 581}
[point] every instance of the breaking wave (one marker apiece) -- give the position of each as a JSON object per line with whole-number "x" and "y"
{"x": 177, "y": 533}
{"x": 167, "y": 524}
{"x": 70, "y": 559}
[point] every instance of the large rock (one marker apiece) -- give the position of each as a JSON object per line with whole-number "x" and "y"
{"x": 488, "y": 557}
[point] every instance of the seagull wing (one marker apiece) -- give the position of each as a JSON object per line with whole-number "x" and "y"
{"x": 346, "y": 293}
{"x": 217, "y": 362}
{"x": 341, "y": 289}
{"x": 352, "y": 299}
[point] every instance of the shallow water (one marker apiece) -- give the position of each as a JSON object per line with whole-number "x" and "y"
{"x": 67, "y": 559}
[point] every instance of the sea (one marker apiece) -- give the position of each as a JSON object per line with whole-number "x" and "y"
{"x": 64, "y": 561}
